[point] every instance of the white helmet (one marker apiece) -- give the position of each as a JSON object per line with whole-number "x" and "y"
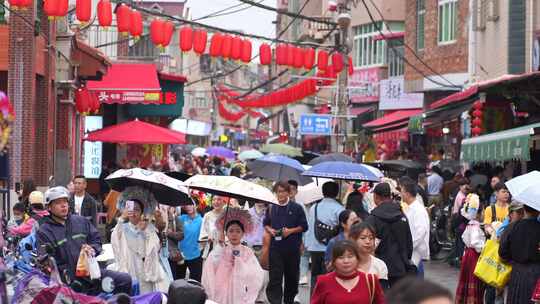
{"x": 55, "y": 193}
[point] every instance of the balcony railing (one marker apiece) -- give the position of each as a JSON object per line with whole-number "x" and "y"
{"x": 316, "y": 30}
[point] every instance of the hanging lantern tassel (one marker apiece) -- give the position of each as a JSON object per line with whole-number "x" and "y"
{"x": 136, "y": 25}
{"x": 104, "y": 12}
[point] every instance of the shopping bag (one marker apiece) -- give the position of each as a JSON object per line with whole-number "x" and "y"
{"x": 93, "y": 268}
{"x": 82, "y": 265}
{"x": 536, "y": 292}
{"x": 490, "y": 268}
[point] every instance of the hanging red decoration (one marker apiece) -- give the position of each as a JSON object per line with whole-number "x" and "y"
{"x": 309, "y": 59}
{"x": 226, "y": 47}
{"x": 476, "y": 131}
{"x": 186, "y": 38}
{"x": 246, "y": 51}
{"x": 215, "y": 44}
{"x": 281, "y": 54}
{"x": 136, "y": 24}
{"x": 265, "y": 54}
{"x": 477, "y": 122}
{"x": 51, "y": 8}
{"x": 82, "y": 100}
{"x": 199, "y": 41}
{"x": 478, "y": 105}
{"x": 94, "y": 103}
{"x": 123, "y": 19}
{"x": 83, "y": 10}
{"x": 322, "y": 60}
{"x": 351, "y": 66}
{"x": 477, "y": 113}
{"x": 14, "y": 4}
{"x": 63, "y": 8}
{"x": 168, "y": 31}
{"x": 157, "y": 34}
{"x": 291, "y": 49}
{"x": 299, "y": 54}
{"x": 236, "y": 48}
{"x": 104, "y": 12}
{"x": 337, "y": 62}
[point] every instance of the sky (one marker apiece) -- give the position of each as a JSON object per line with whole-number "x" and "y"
{"x": 253, "y": 20}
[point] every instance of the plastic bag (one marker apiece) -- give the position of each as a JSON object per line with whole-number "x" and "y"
{"x": 82, "y": 265}
{"x": 93, "y": 268}
{"x": 490, "y": 268}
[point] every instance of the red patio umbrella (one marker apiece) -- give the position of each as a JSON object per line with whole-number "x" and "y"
{"x": 136, "y": 132}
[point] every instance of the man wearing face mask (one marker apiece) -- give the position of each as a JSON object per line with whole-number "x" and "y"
{"x": 37, "y": 212}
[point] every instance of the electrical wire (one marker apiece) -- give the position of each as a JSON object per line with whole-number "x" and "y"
{"x": 223, "y": 12}
{"x": 294, "y": 15}
{"x": 410, "y": 48}
{"x": 400, "y": 55}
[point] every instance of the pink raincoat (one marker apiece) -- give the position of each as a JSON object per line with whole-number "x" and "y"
{"x": 25, "y": 228}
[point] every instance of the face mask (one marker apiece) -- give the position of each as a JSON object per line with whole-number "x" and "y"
{"x": 17, "y": 218}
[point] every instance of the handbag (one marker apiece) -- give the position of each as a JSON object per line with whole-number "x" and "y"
{"x": 490, "y": 268}
{"x": 323, "y": 232}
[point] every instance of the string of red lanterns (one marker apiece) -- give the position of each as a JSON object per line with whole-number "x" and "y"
{"x": 86, "y": 102}
{"x": 235, "y": 116}
{"x": 477, "y": 118}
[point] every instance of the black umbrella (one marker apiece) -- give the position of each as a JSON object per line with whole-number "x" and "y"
{"x": 178, "y": 175}
{"x": 331, "y": 157}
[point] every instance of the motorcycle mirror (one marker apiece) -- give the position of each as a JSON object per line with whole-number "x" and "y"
{"x": 107, "y": 284}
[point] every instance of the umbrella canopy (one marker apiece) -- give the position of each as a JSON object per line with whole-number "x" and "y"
{"x": 199, "y": 152}
{"x": 136, "y": 132}
{"x": 166, "y": 190}
{"x": 331, "y": 157}
{"x": 311, "y": 192}
{"x": 282, "y": 149}
{"x": 220, "y": 152}
{"x": 344, "y": 171}
{"x": 398, "y": 165}
{"x": 249, "y": 155}
{"x": 178, "y": 175}
{"x": 279, "y": 168}
{"x": 525, "y": 189}
{"x": 231, "y": 186}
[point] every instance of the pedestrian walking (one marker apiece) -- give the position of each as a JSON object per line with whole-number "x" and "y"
{"x": 347, "y": 218}
{"x": 174, "y": 234}
{"x": 285, "y": 224}
{"x": 347, "y": 285}
{"x": 364, "y": 235}
{"x": 81, "y": 202}
{"x": 393, "y": 231}
{"x": 323, "y": 223}
{"x": 189, "y": 246}
{"x": 209, "y": 236}
{"x": 435, "y": 183}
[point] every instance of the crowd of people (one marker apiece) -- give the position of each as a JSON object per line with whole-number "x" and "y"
{"x": 368, "y": 247}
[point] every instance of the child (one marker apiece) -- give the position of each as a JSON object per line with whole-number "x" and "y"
{"x": 19, "y": 216}
{"x": 470, "y": 289}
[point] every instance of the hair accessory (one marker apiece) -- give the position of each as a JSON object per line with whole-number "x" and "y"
{"x": 235, "y": 214}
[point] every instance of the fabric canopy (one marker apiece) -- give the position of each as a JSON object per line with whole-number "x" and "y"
{"x": 136, "y": 132}
{"x": 393, "y": 118}
{"x": 128, "y": 83}
{"x": 499, "y": 146}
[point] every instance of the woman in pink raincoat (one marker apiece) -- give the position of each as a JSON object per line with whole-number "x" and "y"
{"x": 232, "y": 274}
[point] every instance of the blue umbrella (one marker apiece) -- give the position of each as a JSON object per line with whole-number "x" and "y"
{"x": 344, "y": 171}
{"x": 331, "y": 157}
{"x": 220, "y": 152}
{"x": 279, "y": 168}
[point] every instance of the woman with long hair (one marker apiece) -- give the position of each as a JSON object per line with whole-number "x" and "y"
{"x": 346, "y": 284}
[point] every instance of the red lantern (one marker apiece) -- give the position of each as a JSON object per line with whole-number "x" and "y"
{"x": 199, "y": 41}
{"x": 309, "y": 59}
{"x": 322, "y": 60}
{"x": 246, "y": 51}
{"x": 104, "y": 12}
{"x": 477, "y": 113}
{"x": 476, "y": 131}
{"x": 477, "y": 122}
{"x": 291, "y": 49}
{"x": 265, "y": 54}
{"x": 63, "y": 7}
{"x": 51, "y": 8}
{"x": 24, "y": 4}
{"x": 14, "y": 4}
{"x": 215, "y": 44}
{"x": 156, "y": 32}
{"x": 337, "y": 62}
{"x": 226, "y": 47}
{"x": 168, "y": 30}
{"x": 186, "y": 38}
{"x": 299, "y": 54}
{"x": 83, "y": 10}
{"x": 136, "y": 22}
{"x": 236, "y": 48}
{"x": 123, "y": 19}
{"x": 478, "y": 105}
{"x": 82, "y": 100}
{"x": 281, "y": 54}
{"x": 350, "y": 67}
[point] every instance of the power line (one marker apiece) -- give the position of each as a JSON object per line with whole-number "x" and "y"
{"x": 400, "y": 55}
{"x": 223, "y": 12}
{"x": 410, "y": 48}
{"x": 294, "y": 15}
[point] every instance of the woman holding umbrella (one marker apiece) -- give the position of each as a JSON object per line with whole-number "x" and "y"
{"x": 136, "y": 243}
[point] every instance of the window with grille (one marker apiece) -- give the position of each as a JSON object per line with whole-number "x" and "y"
{"x": 367, "y": 51}
{"x": 395, "y": 57}
{"x": 420, "y": 19}
{"x": 447, "y": 21}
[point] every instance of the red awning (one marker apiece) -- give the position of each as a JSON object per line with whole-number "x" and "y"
{"x": 394, "y": 118}
{"x": 480, "y": 86}
{"x": 172, "y": 77}
{"x": 136, "y": 132}
{"x": 396, "y": 135}
{"x": 128, "y": 83}
{"x": 360, "y": 110}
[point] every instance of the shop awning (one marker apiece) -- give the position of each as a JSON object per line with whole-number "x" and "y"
{"x": 92, "y": 64}
{"x": 360, "y": 110}
{"x": 499, "y": 146}
{"x": 128, "y": 83}
{"x": 394, "y": 118}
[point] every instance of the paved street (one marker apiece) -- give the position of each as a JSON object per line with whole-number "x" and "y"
{"x": 436, "y": 271}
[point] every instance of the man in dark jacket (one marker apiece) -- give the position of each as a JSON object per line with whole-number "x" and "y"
{"x": 81, "y": 202}
{"x": 393, "y": 231}
{"x": 67, "y": 234}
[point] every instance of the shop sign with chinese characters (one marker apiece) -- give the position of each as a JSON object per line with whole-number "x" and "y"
{"x": 134, "y": 97}
{"x": 364, "y": 85}
{"x": 392, "y": 96}
{"x": 92, "y": 150}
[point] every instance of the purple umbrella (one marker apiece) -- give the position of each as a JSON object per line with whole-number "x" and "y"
{"x": 220, "y": 152}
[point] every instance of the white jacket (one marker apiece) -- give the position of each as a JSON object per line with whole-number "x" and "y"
{"x": 418, "y": 219}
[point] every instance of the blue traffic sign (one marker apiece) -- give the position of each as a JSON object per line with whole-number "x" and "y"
{"x": 315, "y": 124}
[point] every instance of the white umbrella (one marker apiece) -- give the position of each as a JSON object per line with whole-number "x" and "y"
{"x": 166, "y": 190}
{"x": 231, "y": 186}
{"x": 199, "y": 152}
{"x": 526, "y": 189}
{"x": 311, "y": 192}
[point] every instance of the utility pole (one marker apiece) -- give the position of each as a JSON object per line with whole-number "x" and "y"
{"x": 343, "y": 46}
